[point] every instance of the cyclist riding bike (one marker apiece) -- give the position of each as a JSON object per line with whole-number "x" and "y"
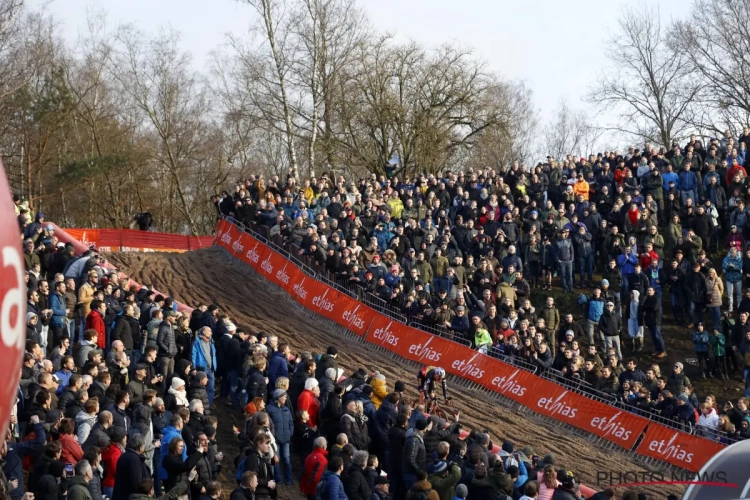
{"x": 428, "y": 378}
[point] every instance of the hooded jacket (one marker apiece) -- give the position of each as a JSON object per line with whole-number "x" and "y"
{"x": 415, "y": 454}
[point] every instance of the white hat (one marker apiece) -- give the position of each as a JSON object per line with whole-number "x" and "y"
{"x": 177, "y": 382}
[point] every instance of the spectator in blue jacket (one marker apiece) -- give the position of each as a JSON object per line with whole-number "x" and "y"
{"x": 460, "y": 321}
{"x": 383, "y": 236}
{"x": 204, "y": 359}
{"x": 58, "y": 321}
{"x": 278, "y": 366}
{"x": 283, "y": 423}
{"x": 626, "y": 262}
{"x": 688, "y": 184}
{"x": 333, "y": 488}
{"x": 732, "y": 267}
{"x": 13, "y": 454}
{"x": 174, "y": 430}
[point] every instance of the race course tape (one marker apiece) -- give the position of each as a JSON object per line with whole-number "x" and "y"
{"x": 540, "y": 395}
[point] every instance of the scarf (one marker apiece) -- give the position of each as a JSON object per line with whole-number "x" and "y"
{"x": 633, "y": 216}
{"x": 179, "y": 396}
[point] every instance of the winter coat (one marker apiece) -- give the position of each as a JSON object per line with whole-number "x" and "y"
{"x": 651, "y": 311}
{"x": 256, "y": 385}
{"x": 334, "y": 488}
{"x": 168, "y": 434}
{"x": 165, "y": 341}
{"x": 122, "y": 332}
{"x": 701, "y": 341}
{"x": 714, "y": 291}
{"x": 131, "y": 470}
{"x": 379, "y": 391}
{"x": 71, "y": 450}
{"x": 426, "y": 486}
{"x": 110, "y": 455}
{"x": 415, "y": 454}
{"x": 97, "y": 437}
{"x": 199, "y": 356}
{"x": 314, "y": 466}
{"x": 446, "y": 486}
{"x": 277, "y": 367}
{"x": 732, "y": 268}
{"x": 325, "y": 362}
{"x": 283, "y": 422}
{"x": 695, "y": 287}
{"x": 355, "y": 484}
{"x": 308, "y": 401}
{"x": 78, "y": 489}
{"x": 718, "y": 344}
{"x": 355, "y": 428}
{"x": 13, "y": 463}
{"x": 95, "y": 485}
{"x": 609, "y": 325}
{"x": 551, "y": 317}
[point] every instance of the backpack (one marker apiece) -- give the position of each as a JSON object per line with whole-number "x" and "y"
{"x": 240, "y": 469}
{"x": 320, "y": 493}
{"x": 420, "y": 495}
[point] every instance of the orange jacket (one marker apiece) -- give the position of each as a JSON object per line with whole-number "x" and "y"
{"x": 581, "y": 187}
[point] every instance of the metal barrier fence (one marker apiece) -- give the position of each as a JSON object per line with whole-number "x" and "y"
{"x": 468, "y": 385}
{"x": 583, "y": 388}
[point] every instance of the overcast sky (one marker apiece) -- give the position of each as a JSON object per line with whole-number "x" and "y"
{"x": 554, "y": 46}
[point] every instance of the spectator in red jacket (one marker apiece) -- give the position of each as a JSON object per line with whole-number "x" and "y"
{"x": 95, "y": 321}
{"x": 309, "y": 401}
{"x": 315, "y": 464}
{"x": 71, "y": 450}
{"x": 110, "y": 456}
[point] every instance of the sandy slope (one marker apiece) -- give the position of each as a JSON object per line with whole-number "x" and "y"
{"x": 206, "y": 276}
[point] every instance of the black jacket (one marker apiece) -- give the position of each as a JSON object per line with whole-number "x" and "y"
{"x": 609, "y": 325}
{"x": 122, "y": 332}
{"x": 355, "y": 484}
{"x": 256, "y": 385}
{"x": 396, "y": 445}
{"x": 651, "y": 311}
{"x": 131, "y": 470}
{"x": 415, "y": 455}
{"x": 97, "y": 437}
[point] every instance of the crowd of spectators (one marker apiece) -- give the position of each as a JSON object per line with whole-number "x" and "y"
{"x": 468, "y": 255}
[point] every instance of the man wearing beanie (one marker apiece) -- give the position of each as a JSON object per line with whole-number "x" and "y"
{"x": 461, "y": 492}
{"x": 444, "y": 479}
{"x": 415, "y": 456}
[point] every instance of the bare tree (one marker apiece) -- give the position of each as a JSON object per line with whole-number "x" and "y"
{"x": 715, "y": 41}
{"x": 276, "y": 28}
{"x": 155, "y": 79}
{"x": 569, "y": 132}
{"x": 650, "y": 86}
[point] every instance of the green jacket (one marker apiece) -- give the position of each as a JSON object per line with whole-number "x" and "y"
{"x": 718, "y": 343}
{"x": 78, "y": 489}
{"x": 425, "y": 272}
{"x": 445, "y": 486}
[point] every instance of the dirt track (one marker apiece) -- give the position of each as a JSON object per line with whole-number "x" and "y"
{"x": 206, "y": 276}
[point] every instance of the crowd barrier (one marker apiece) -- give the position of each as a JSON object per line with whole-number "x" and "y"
{"x": 65, "y": 236}
{"x": 130, "y": 240}
{"x": 545, "y": 397}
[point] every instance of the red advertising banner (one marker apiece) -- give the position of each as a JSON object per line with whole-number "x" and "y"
{"x": 130, "y": 240}
{"x": 540, "y": 395}
{"x": 676, "y": 447}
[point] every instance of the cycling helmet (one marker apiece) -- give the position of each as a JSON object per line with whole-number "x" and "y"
{"x": 440, "y": 372}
